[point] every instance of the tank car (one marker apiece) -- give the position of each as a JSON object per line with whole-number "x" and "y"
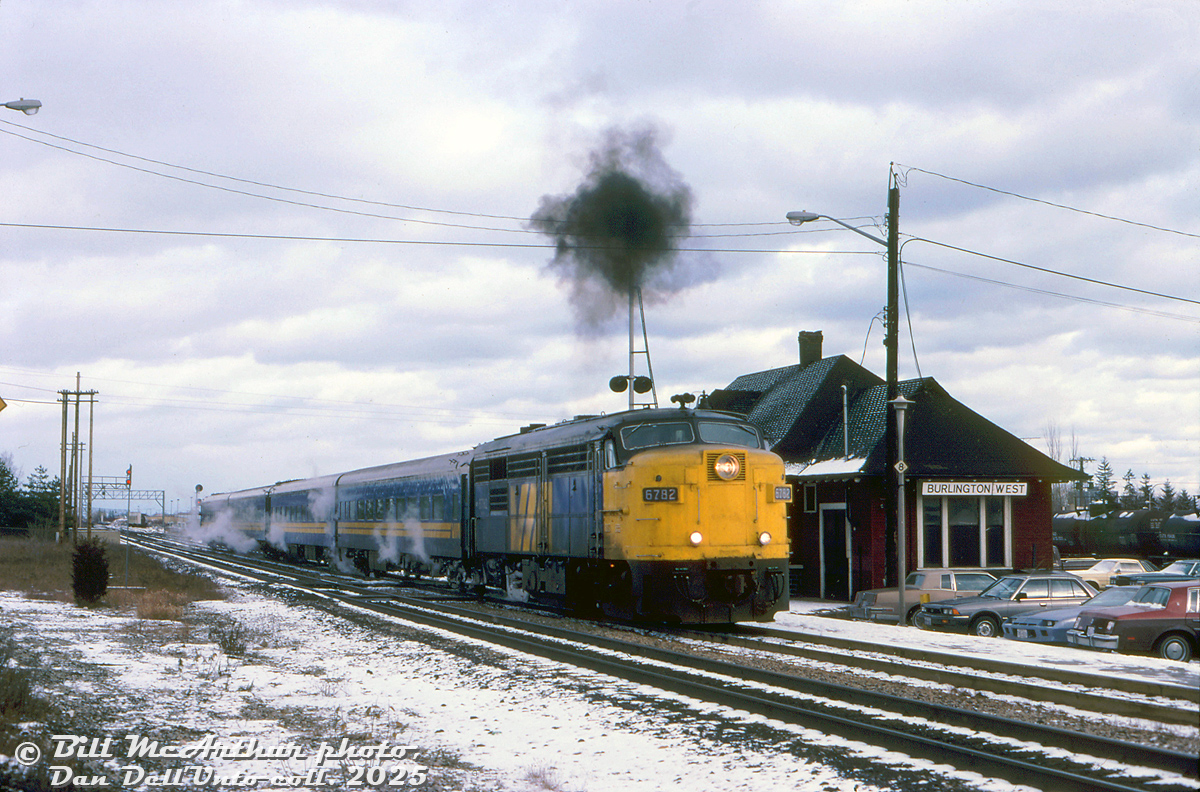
{"x": 662, "y": 515}
{"x": 1140, "y": 532}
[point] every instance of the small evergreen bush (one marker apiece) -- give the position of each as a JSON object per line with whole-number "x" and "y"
{"x": 89, "y": 571}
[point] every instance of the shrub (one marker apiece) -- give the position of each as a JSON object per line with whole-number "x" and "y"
{"x": 230, "y": 635}
{"x": 89, "y": 571}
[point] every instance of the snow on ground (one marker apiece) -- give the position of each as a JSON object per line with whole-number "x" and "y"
{"x": 482, "y": 718}
{"x": 803, "y": 616}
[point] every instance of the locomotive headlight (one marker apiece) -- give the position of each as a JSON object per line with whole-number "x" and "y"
{"x": 764, "y": 538}
{"x": 696, "y": 538}
{"x": 727, "y": 467}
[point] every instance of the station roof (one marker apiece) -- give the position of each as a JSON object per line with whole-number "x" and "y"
{"x": 800, "y": 410}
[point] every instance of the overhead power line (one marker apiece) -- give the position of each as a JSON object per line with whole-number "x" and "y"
{"x": 453, "y": 243}
{"x": 446, "y": 243}
{"x": 1055, "y": 272}
{"x": 387, "y": 241}
{"x": 1076, "y": 298}
{"x": 908, "y": 168}
{"x": 298, "y": 191}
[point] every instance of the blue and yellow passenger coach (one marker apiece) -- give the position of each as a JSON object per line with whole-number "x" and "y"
{"x": 665, "y": 515}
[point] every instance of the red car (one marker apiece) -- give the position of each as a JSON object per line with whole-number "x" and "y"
{"x": 1163, "y": 618}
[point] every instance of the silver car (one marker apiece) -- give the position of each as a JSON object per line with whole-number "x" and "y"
{"x": 921, "y": 586}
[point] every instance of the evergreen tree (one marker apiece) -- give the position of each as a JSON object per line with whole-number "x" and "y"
{"x": 1146, "y": 493}
{"x": 1184, "y": 503}
{"x": 1166, "y": 501}
{"x": 1129, "y": 494}
{"x": 34, "y": 505}
{"x": 11, "y": 507}
{"x": 1105, "y": 492}
{"x": 42, "y": 492}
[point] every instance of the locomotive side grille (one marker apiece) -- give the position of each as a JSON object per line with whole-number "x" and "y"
{"x": 710, "y": 462}
{"x": 567, "y": 460}
{"x": 524, "y": 465}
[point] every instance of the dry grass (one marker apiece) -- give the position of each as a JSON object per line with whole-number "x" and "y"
{"x": 44, "y": 569}
{"x": 158, "y": 604}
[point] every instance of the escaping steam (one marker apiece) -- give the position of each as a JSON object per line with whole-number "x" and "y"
{"x": 401, "y": 533}
{"x": 620, "y": 229}
{"x": 219, "y": 530}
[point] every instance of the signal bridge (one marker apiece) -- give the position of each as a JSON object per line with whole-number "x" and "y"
{"x": 118, "y": 488}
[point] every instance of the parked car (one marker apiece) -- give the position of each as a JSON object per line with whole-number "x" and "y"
{"x": 1188, "y": 569}
{"x": 1098, "y": 574}
{"x": 1163, "y": 618}
{"x": 1051, "y": 626}
{"x": 1010, "y": 596}
{"x": 921, "y": 586}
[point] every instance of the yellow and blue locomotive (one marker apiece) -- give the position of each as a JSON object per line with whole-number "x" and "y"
{"x": 665, "y": 515}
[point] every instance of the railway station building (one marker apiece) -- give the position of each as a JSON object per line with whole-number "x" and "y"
{"x": 976, "y": 495}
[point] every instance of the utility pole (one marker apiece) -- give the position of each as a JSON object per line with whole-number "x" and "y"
{"x": 91, "y": 424}
{"x": 1079, "y": 484}
{"x": 75, "y": 477}
{"x": 62, "y": 476}
{"x": 891, "y": 342}
{"x": 74, "y": 473}
{"x": 891, "y": 476}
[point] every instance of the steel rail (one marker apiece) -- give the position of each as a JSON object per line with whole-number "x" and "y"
{"x": 989, "y": 665}
{"x": 682, "y": 672}
{"x": 989, "y": 681}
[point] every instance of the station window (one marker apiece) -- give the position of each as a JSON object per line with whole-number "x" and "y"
{"x": 965, "y": 532}
{"x": 810, "y": 498}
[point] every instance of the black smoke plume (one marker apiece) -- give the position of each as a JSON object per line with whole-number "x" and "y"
{"x": 620, "y": 229}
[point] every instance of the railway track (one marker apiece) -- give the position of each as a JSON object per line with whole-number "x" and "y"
{"x": 1016, "y": 751}
{"x": 1077, "y": 689}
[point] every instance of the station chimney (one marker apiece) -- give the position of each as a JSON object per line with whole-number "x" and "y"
{"x": 810, "y": 346}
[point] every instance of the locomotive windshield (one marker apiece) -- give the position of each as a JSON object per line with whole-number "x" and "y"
{"x": 728, "y": 434}
{"x": 656, "y": 434}
{"x": 648, "y": 435}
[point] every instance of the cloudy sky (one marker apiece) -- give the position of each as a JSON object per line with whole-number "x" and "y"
{"x": 282, "y": 238}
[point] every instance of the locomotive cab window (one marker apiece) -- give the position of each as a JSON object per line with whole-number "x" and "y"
{"x": 721, "y": 433}
{"x": 657, "y": 434}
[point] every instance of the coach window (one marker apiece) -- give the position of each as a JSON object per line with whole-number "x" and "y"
{"x": 964, "y": 531}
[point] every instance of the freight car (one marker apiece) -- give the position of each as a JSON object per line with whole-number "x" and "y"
{"x": 660, "y": 514}
{"x": 1142, "y": 533}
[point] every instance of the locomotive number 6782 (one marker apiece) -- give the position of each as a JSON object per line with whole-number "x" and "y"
{"x": 669, "y": 515}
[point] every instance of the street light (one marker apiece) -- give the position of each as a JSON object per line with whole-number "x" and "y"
{"x": 26, "y": 106}
{"x": 890, "y": 341}
{"x": 799, "y": 218}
